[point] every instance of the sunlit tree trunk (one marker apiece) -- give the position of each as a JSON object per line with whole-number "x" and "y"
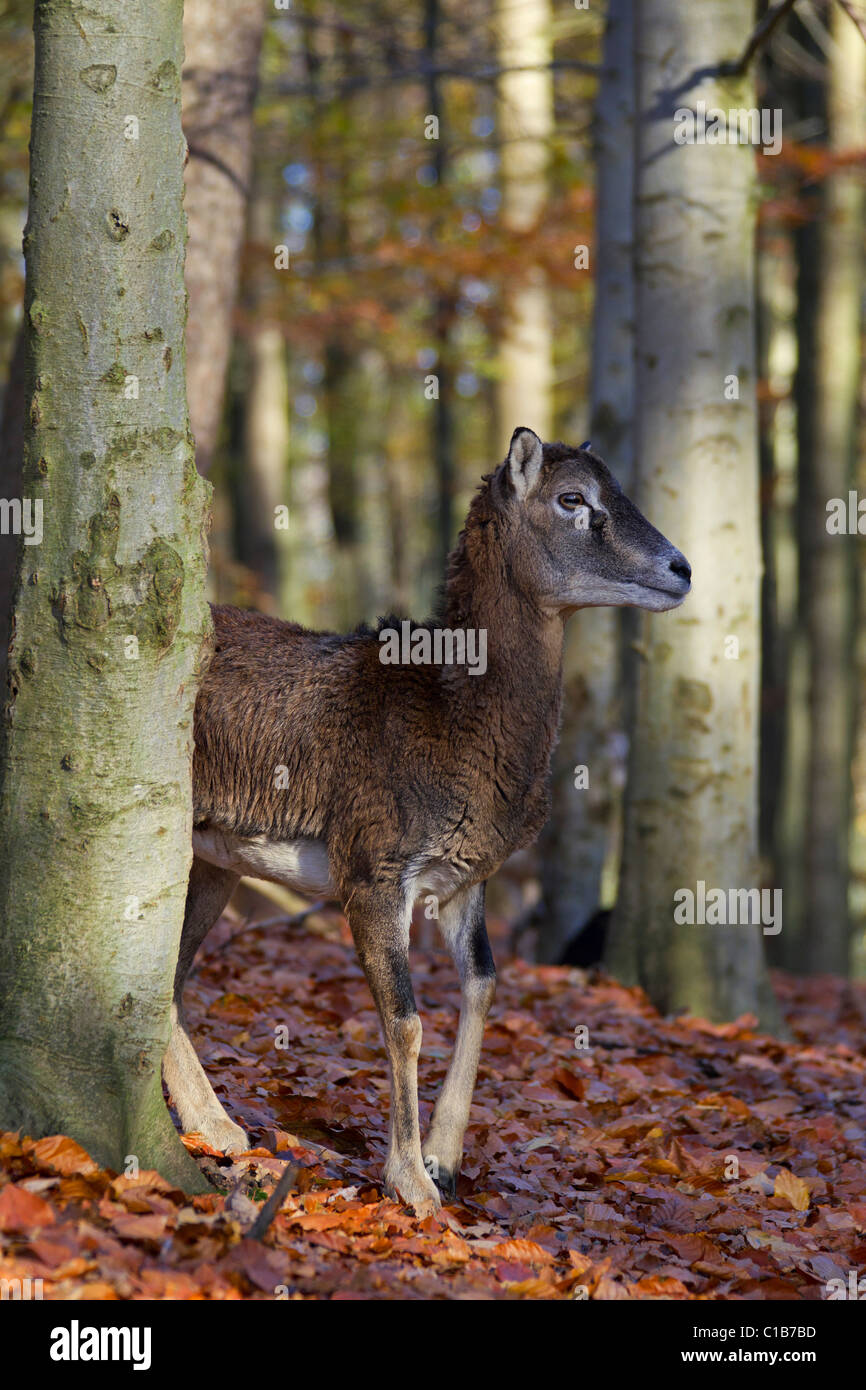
{"x": 220, "y": 78}
{"x": 691, "y": 803}
{"x": 524, "y": 41}
{"x": 110, "y": 618}
{"x": 264, "y": 484}
{"x": 828, "y": 472}
{"x": 579, "y": 839}
{"x": 782, "y": 705}
{"x": 808, "y": 102}
{"x": 399, "y": 513}
{"x": 444, "y": 306}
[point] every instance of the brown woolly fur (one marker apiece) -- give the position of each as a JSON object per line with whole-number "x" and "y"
{"x": 326, "y": 764}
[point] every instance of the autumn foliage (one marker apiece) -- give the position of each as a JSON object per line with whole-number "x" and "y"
{"x": 665, "y": 1159}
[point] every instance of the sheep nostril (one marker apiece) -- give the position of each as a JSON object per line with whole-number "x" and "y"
{"x": 682, "y": 568}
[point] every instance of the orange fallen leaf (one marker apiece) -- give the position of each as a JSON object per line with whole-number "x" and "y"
{"x": 572, "y": 1084}
{"x": 522, "y": 1252}
{"x": 21, "y": 1210}
{"x": 134, "y": 1227}
{"x": 317, "y": 1220}
{"x": 658, "y": 1286}
{"x": 536, "y": 1287}
{"x": 63, "y": 1155}
{"x": 791, "y": 1189}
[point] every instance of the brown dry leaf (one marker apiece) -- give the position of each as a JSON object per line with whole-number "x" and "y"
{"x": 586, "y": 1153}
{"x": 521, "y": 1252}
{"x": 235, "y": 1008}
{"x": 661, "y": 1165}
{"x": 450, "y": 1250}
{"x": 537, "y": 1287}
{"x": 21, "y": 1210}
{"x": 147, "y": 1228}
{"x": 97, "y": 1291}
{"x": 659, "y": 1287}
{"x": 791, "y": 1189}
{"x": 318, "y": 1220}
{"x": 572, "y": 1084}
{"x": 64, "y": 1156}
{"x": 609, "y": 1289}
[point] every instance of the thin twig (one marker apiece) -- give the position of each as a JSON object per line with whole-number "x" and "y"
{"x": 760, "y": 34}
{"x": 288, "y": 1179}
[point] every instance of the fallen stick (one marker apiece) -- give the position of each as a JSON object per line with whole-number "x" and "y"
{"x": 287, "y": 1179}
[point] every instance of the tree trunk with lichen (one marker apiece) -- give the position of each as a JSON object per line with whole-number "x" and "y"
{"x": 691, "y": 801}
{"x": 110, "y": 621}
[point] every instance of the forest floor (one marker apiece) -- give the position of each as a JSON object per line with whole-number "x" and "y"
{"x": 665, "y": 1159}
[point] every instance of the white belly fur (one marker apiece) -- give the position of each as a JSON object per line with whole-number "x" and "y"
{"x": 301, "y": 865}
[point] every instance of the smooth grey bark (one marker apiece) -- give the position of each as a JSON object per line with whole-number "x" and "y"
{"x": 444, "y": 312}
{"x": 783, "y": 703}
{"x": 827, "y": 600}
{"x": 808, "y": 101}
{"x": 110, "y": 621}
{"x": 579, "y": 840}
{"x": 264, "y": 481}
{"x": 524, "y": 35}
{"x": 691, "y": 801}
{"x": 220, "y": 80}
{"x": 258, "y": 465}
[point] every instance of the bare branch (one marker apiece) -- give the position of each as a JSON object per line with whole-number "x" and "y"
{"x": 760, "y": 34}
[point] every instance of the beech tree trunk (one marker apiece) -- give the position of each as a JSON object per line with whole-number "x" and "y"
{"x": 525, "y": 47}
{"x": 258, "y": 467}
{"x": 827, "y": 600}
{"x": 579, "y": 841}
{"x": 444, "y": 309}
{"x": 263, "y": 484}
{"x": 110, "y": 620}
{"x": 220, "y": 79}
{"x": 691, "y": 803}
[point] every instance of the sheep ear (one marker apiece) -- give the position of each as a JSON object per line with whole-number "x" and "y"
{"x": 525, "y": 455}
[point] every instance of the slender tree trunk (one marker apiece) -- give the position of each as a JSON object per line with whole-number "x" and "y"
{"x": 110, "y": 618}
{"x": 264, "y": 482}
{"x": 525, "y": 45}
{"x": 809, "y": 103}
{"x": 770, "y": 269}
{"x": 444, "y": 312}
{"x": 691, "y": 804}
{"x": 342, "y": 387}
{"x": 858, "y": 826}
{"x": 782, "y": 776}
{"x": 259, "y": 473}
{"x": 220, "y": 79}
{"x": 828, "y": 472}
{"x": 580, "y": 836}
{"x": 399, "y": 511}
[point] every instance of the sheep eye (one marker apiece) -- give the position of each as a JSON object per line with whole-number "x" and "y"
{"x": 571, "y": 500}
